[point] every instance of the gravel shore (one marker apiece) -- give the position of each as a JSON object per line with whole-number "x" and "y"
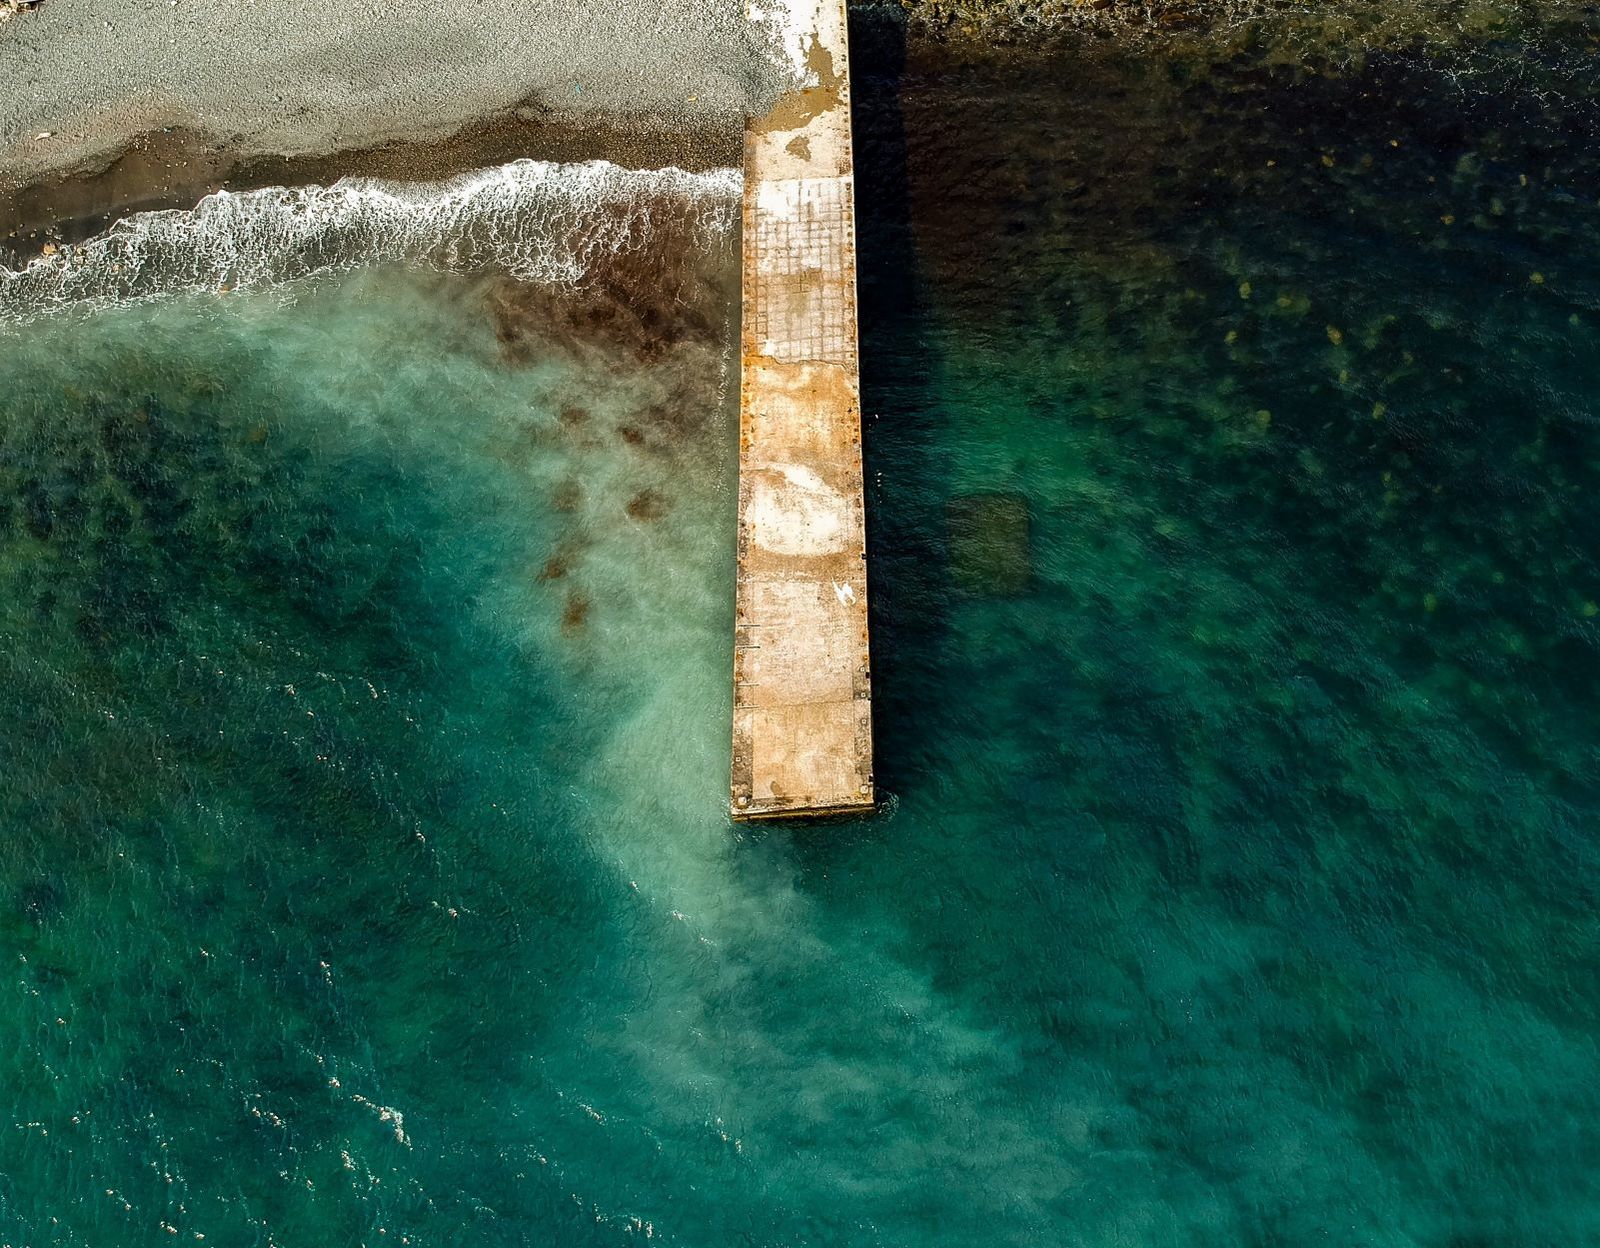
{"x": 113, "y": 105}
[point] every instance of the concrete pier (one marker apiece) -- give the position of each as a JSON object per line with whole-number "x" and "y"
{"x": 802, "y": 707}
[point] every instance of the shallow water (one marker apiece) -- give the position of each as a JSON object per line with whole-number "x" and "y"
{"x": 367, "y": 649}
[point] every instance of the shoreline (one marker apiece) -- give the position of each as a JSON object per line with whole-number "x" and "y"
{"x": 114, "y": 108}
{"x": 177, "y": 168}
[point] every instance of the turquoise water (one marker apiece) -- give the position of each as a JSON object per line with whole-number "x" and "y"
{"x": 365, "y": 645}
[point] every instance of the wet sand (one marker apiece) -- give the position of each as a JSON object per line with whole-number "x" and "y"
{"x": 175, "y": 169}
{"x": 111, "y": 108}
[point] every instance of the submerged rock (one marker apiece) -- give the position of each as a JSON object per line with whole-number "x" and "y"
{"x": 1328, "y": 33}
{"x": 990, "y": 549}
{"x": 647, "y": 505}
{"x": 41, "y": 900}
{"x": 576, "y": 613}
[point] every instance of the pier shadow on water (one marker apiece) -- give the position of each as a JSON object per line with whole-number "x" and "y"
{"x": 901, "y": 407}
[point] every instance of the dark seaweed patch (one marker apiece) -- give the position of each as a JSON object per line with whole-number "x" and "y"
{"x": 640, "y": 302}
{"x": 647, "y": 505}
{"x": 576, "y": 613}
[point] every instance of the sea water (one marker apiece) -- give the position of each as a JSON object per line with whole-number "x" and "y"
{"x": 365, "y": 622}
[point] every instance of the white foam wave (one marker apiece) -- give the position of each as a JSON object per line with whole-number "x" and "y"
{"x": 537, "y": 220}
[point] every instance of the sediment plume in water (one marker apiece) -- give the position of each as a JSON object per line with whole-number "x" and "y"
{"x": 534, "y": 221}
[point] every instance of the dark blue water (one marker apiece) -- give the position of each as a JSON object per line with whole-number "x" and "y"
{"x": 365, "y": 646}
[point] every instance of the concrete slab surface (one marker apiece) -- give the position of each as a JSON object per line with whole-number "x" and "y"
{"x": 802, "y": 719}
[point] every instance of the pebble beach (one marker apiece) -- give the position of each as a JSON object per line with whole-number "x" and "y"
{"x": 112, "y": 107}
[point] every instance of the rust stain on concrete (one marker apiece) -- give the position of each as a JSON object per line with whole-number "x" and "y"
{"x": 802, "y": 718}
